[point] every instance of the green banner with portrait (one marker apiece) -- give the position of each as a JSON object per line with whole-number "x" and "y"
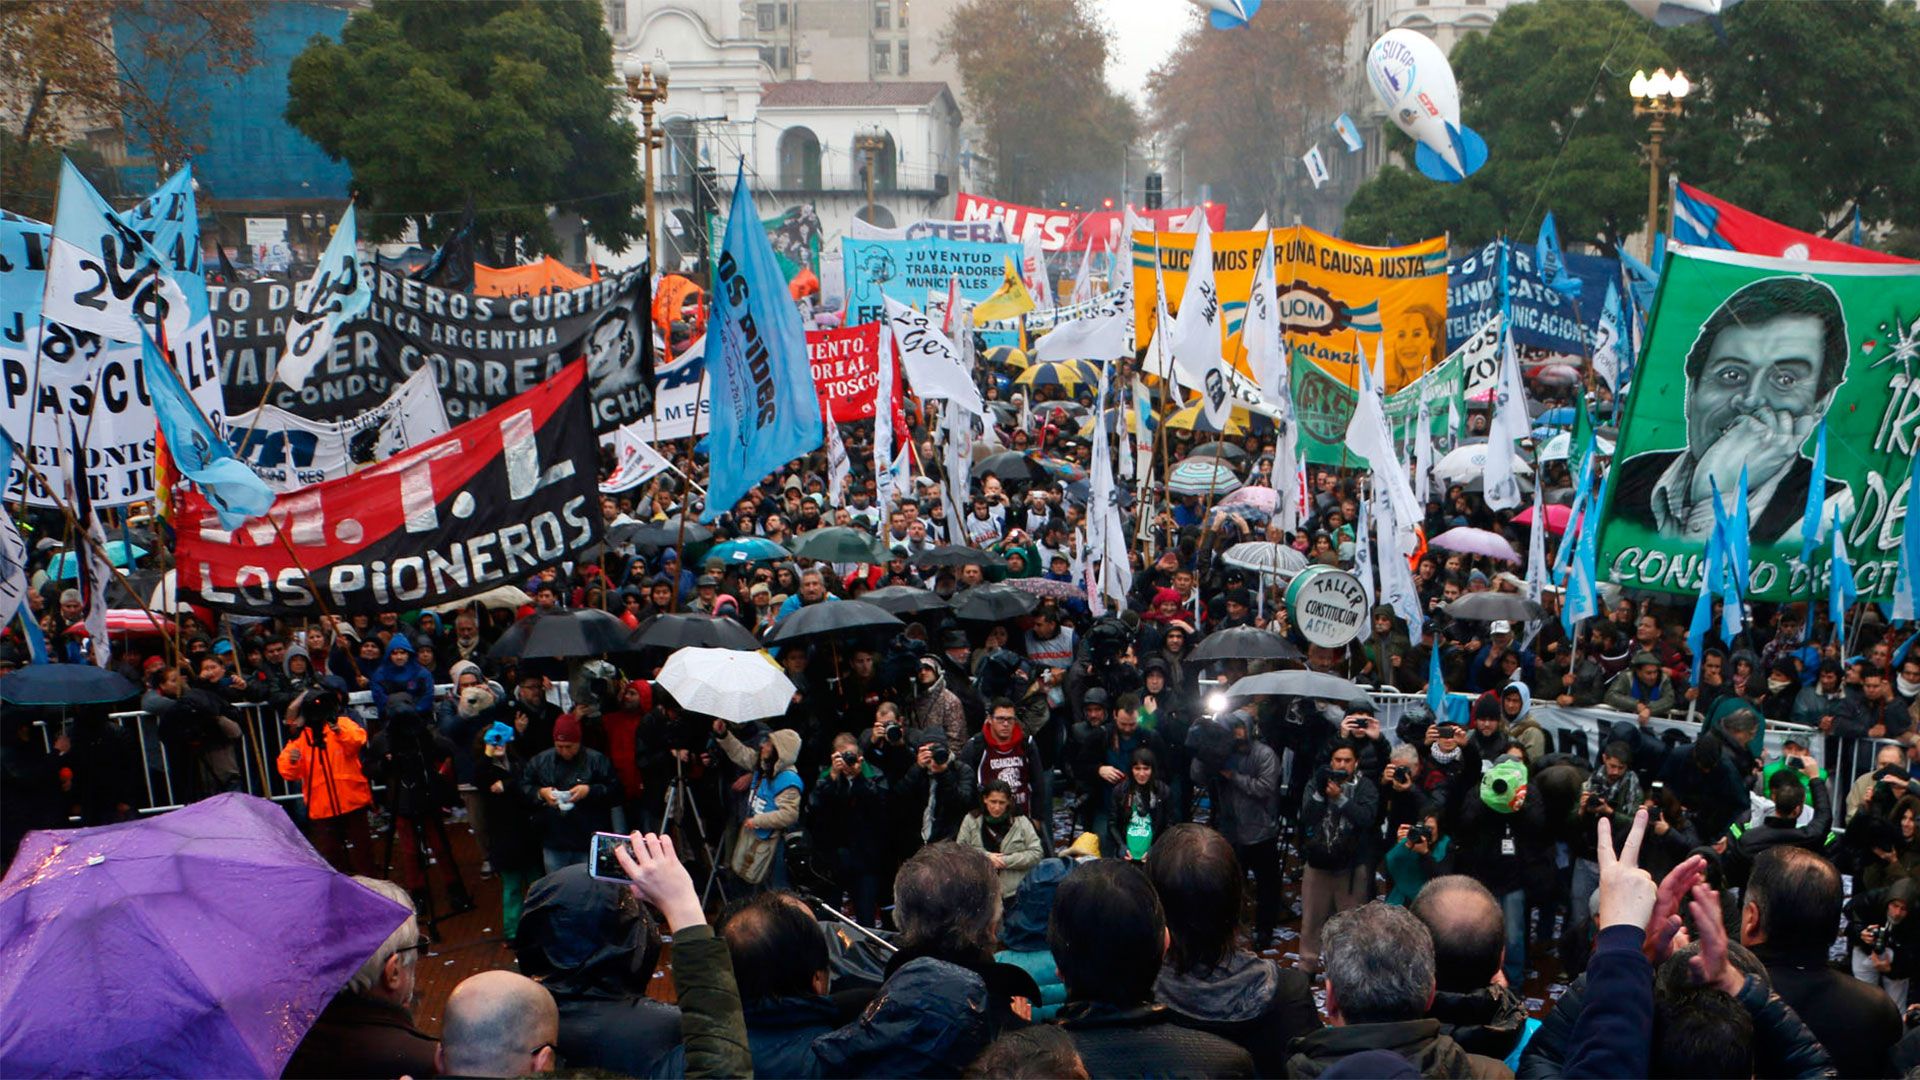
{"x": 1745, "y": 356}
{"x": 1324, "y": 404}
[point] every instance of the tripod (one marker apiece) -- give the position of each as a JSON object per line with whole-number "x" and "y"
{"x": 459, "y": 901}
{"x": 680, "y": 805}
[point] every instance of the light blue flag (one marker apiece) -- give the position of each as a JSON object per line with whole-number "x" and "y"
{"x": 1859, "y": 234}
{"x": 169, "y": 221}
{"x": 1736, "y": 555}
{"x": 1906, "y": 584}
{"x": 1583, "y": 595}
{"x": 765, "y": 409}
{"x": 13, "y": 548}
{"x": 339, "y": 290}
{"x": 1581, "y": 492}
{"x": 1710, "y": 583}
{"x": 1349, "y": 133}
{"x": 1436, "y": 685}
{"x": 1842, "y": 591}
{"x": 235, "y": 491}
{"x": 102, "y": 276}
{"x": 1553, "y": 265}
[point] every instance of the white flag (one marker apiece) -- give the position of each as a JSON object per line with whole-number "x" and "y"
{"x": 1316, "y": 166}
{"x": 957, "y": 457}
{"x": 933, "y": 366}
{"x": 102, "y": 277}
{"x": 1195, "y": 341}
{"x": 1369, "y": 436}
{"x": 1098, "y": 338}
{"x": 1397, "y": 588}
{"x": 1260, "y": 330}
{"x": 1536, "y": 558}
{"x": 1106, "y": 527}
{"x": 1158, "y": 362}
{"x": 1606, "y": 340}
{"x": 1035, "y": 271}
{"x": 883, "y": 425}
{"x": 337, "y": 292}
{"x": 839, "y": 466}
{"x": 1083, "y": 281}
{"x": 1510, "y": 423}
{"x": 1363, "y": 565}
{"x": 1422, "y": 453}
{"x": 635, "y": 462}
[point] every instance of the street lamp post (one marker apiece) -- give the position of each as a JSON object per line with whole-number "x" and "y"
{"x": 1660, "y": 98}
{"x": 871, "y": 142}
{"x": 647, "y": 84}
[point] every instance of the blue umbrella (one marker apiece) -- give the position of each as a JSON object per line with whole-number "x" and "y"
{"x": 751, "y": 549}
{"x": 1556, "y": 417}
{"x": 119, "y": 553}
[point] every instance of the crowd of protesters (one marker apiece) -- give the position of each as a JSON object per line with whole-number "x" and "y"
{"x": 1078, "y": 847}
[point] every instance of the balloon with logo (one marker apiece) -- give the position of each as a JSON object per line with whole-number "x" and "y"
{"x": 1411, "y": 77}
{"x": 1227, "y": 14}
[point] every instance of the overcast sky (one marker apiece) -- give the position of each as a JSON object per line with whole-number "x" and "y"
{"x": 1144, "y": 32}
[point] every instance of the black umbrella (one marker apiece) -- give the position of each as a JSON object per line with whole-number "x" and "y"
{"x": 657, "y": 534}
{"x": 1227, "y": 452}
{"x": 994, "y": 603}
{"x": 956, "y": 556}
{"x": 58, "y": 685}
{"x": 906, "y": 600}
{"x": 563, "y": 633}
{"x": 1306, "y": 684}
{"x": 1245, "y": 643}
{"x": 1010, "y": 467}
{"x": 830, "y": 617}
{"x": 841, "y": 544}
{"x": 1489, "y": 606}
{"x": 696, "y": 631}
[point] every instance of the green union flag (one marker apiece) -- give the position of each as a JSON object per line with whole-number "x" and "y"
{"x": 1324, "y": 405}
{"x": 1744, "y": 358}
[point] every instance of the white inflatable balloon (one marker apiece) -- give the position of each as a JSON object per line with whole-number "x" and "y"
{"x": 1680, "y": 12}
{"x": 1411, "y": 77}
{"x": 1227, "y": 14}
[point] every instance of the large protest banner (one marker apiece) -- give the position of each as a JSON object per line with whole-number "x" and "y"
{"x": 55, "y": 378}
{"x": 1068, "y": 230}
{"x": 846, "y": 370}
{"x": 484, "y": 350}
{"x": 1749, "y": 355}
{"x": 289, "y": 451}
{"x": 487, "y": 504}
{"x": 908, "y": 270}
{"x": 1544, "y": 319}
{"x": 1332, "y": 295}
{"x": 1324, "y": 407}
{"x": 681, "y": 408}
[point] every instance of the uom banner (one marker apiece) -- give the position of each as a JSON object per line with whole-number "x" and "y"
{"x": 1335, "y": 299}
{"x": 1745, "y": 358}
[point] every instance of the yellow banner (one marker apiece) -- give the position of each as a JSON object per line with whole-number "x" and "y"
{"x": 1330, "y": 291}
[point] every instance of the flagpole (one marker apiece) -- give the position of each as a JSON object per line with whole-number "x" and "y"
{"x": 686, "y": 506}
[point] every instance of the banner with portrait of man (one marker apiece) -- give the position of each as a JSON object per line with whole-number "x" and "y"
{"x": 1745, "y": 357}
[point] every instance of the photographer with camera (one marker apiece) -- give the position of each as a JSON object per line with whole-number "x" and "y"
{"x": 1420, "y": 853}
{"x": 415, "y": 764}
{"x": 1788, "y": 788}
{"x": 1884, "y": 938}
{"x": 844, "y": 812}
{"x": 937, "y": 790}
{"x": 322, "y": 755}
{"x": 1338, "y": 822}
{"x": 1612, "y": 791}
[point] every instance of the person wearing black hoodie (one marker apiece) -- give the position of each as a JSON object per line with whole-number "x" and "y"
{"x": 780, "y": 962}
{"x": 1469, "y": 937}
{"x": 1210, "y": 980}
{"x": 595, "y": 950}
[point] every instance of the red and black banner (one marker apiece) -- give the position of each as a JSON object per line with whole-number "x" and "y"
{"x": 487, "y": 504}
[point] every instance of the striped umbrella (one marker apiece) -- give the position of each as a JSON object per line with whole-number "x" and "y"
{"x": 1007, "y": 356}
{"x": 1201, "y": 476}
{"x": 1193, "y": 418}
{"x": 1070, "y": 374}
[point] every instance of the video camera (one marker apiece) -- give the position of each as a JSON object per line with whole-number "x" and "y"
{"x": 318, "y": 710}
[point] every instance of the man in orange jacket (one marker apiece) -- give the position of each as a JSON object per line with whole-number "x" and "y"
{"x": 322, "y": 755}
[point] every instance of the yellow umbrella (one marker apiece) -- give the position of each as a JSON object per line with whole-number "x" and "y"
{"x": 1193, "y": 418}
{"x": 1007, "y": 356}
{"x": 1070, "y": 374}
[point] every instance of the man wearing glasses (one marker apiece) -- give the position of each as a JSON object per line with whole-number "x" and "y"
{"x": 367, "y": 1030}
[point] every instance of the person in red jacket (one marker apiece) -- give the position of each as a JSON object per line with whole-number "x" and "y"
{"x": 322, "y": 755}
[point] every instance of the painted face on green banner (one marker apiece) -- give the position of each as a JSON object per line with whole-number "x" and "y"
{"x": 1757, "y": 398}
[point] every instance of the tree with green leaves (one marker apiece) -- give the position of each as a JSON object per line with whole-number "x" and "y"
{"x": 508, "y": 105}
{"x": 1785, "y": 119}
{"x": 1032, "y": 72}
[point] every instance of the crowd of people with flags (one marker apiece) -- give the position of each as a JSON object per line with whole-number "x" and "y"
{"x": 1042, "y": 723}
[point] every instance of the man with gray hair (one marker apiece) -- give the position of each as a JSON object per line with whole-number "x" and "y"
{"x": 499, "y": 1023}
{"x": 367, "y": 1030}
{"x": 1380, "y": 983}
{"x": 945, "y": 997}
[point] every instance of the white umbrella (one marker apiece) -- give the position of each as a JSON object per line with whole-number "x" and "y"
{"x": 1469, "y": 463}
{"x": 510, "y": 597}
{"x": 1202, "y": 476}
{"x": 728, "y": 683}
{"x": 1277, "y": 560}
{"x": 1560, "y": 446}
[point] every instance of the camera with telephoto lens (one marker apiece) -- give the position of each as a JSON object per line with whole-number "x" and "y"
{"x": 1419, "y": 834}
{"x": 940, "y": 754}
{"x": 1401, "y": 774}
{"x": 1335, "y": 776}
{"x": 850, "y": 759}
{"x": 317, "y": 710}
{"x": 1874, "y": 938}
{"x": 896, "y": 733}
{"x": 1797, "y": 764}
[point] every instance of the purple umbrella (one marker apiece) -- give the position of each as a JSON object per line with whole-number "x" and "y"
{"x": 203, "y": 942}
{"x": 1260, "y": 498}
{"x": 1476, "y": 542}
